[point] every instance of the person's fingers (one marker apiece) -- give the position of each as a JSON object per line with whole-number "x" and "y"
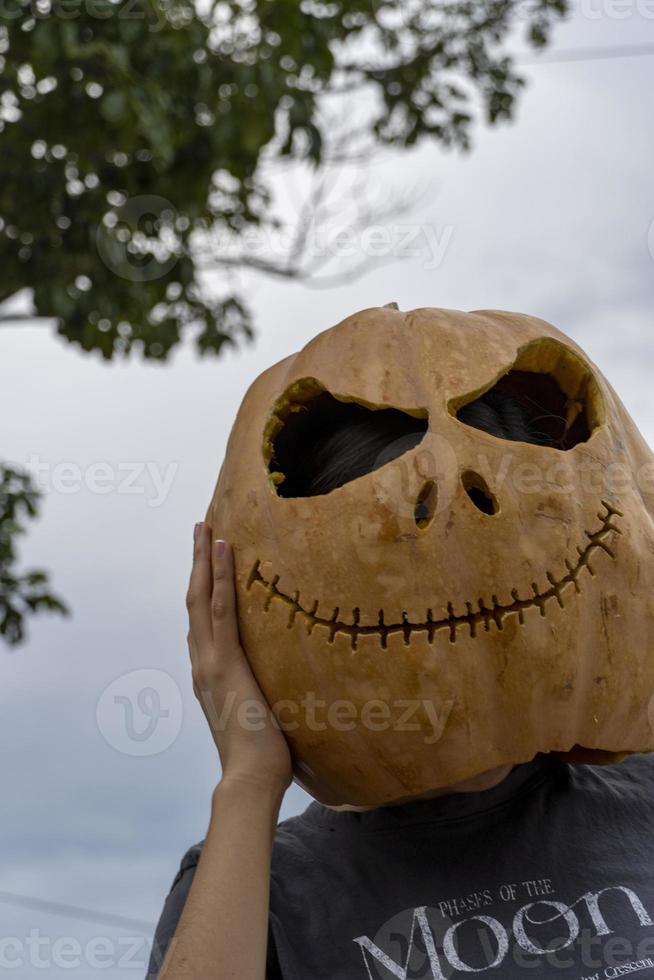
{"x": 198, "y": 596}
{"x": 227, "y": 642}
{"x": 192, "y": 649}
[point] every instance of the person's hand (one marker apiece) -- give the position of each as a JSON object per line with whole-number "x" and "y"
{"x": 251, "y": 746}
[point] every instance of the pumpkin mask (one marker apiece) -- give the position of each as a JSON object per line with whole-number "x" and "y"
{"x": 462, "y": 604}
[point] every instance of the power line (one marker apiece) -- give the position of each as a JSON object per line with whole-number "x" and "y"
{"x": 76, "y": 912}
{"x": 589, "y": 54}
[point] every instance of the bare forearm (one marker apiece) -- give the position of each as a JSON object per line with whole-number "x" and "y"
{"x": 223, "y": 931}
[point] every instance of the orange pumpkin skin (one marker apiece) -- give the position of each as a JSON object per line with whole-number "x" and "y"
{"x": 490, "y": 637}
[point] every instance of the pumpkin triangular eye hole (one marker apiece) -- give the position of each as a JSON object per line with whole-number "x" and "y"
{"x": 315, "y": 441}
{"x": 549, "y": 398}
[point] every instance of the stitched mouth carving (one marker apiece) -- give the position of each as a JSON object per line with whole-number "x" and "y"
{"x": 484, "y": 615}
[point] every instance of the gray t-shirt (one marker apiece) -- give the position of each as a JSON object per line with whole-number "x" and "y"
{"x": 549, "y": 874}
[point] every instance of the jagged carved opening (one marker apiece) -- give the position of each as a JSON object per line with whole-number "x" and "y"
{"x": 480, "y": 615}
{"x": 549, "y": 396}
{"x": 307, "y": 438}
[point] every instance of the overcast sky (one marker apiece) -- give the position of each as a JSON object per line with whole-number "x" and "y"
{"x": 549, "y": 216}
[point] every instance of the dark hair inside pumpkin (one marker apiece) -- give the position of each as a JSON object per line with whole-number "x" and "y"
{"x": 349, "y": 451}
{"x": 335, "y": 442}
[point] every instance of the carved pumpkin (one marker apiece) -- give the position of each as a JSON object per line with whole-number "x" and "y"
{"x": 466, "y": 604}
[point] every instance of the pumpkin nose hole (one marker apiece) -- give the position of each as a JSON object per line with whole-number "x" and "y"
{"x": 477, "y": 489}
{"x": 426, "y": 504}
